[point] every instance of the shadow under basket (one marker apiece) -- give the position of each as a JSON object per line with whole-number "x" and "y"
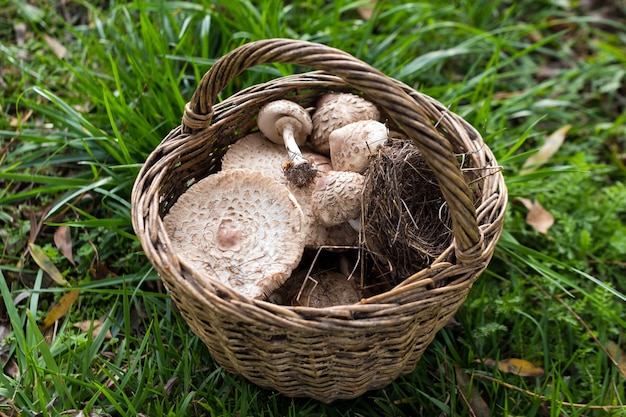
{"x": 335, "y": 352}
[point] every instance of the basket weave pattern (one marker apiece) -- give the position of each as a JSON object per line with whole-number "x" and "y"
{"x": 336, "y": 352}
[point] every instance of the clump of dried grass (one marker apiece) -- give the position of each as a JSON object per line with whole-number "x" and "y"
{"x": 405, "y": 220}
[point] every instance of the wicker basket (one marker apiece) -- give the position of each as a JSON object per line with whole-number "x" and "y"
{"x": 337, "y": 352}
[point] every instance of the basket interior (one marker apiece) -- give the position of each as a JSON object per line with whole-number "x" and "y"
{"x": 184, "y": 158}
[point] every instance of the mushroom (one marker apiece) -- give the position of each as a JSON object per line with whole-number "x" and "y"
{"x": 336, "y": 197}
{"x": 320, "y": 162}
{"x": 337, "y": 237}
{"x": 337, "y": 110}
{"x": 255, "y": 152}
{"x": 353, "y": 144}
{"x": 325, "y": 288}
{"x": 286, "y": 122}
{"x": 240, "y": 227}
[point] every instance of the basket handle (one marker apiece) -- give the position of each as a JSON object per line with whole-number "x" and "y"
{"x": 436, "y": 149}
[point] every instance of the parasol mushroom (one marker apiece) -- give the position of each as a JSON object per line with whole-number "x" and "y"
{"x": 239, "y": 227}
{"x": 336, "y": 197}
{"x": 255, "y": 152}
{"x": 337, "y": 110}
{"x": 320, "y": 162}
{"x": 321, "y": 289}
{"x": 352, "y": 145}
{"x": 286, "y": 122}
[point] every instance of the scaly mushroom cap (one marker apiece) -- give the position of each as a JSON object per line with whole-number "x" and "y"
{"x": 337, "y": 110}
{"x": 274, "y": 116}
{"x": 336, "y": 197}
{"x": 240, "y": 227}
{"x": 255, "y": 152}
{"x": 321, "y": 289}
{"x": 352, "y": 145}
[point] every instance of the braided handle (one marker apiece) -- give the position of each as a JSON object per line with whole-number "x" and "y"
{"x": 388, "y": 96}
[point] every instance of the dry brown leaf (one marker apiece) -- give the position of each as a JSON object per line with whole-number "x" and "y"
{"x": 550, "y": 147}
{"x": 46, "y": 264}
{"x": 366, "y": 11}
{"x": 537, "y": 217}
{"x": 18, "y": 121}
{"x": 63, "y": 241}
{"x": 12, "y": 369}
{"x": 516, "y": 366}
{"x": 478, "y": 406}
{"x": 95, "y": 325}
{"x": 5, "y": 331}
{"x": 59, "y": 50}
{"x": 618, "y": 354}
{"x": 59, "y": 309}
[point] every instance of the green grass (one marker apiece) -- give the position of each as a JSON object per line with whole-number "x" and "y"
{"x": 75, "y": 130}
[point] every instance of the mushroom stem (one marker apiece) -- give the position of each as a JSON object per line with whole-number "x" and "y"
{"x": 286, "y": 122}
{"x": 295, "y": 155}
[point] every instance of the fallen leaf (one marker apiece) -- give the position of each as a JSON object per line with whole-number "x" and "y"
{"x": 95, "y": 325}
{"x": 366, "y": 11}
{"x": 59, "y": 50}
{"x": 18, "y": 121}
{"x": 452, "y": 322}
{"x": 46, "y": 264}
{"x": 59, "y": 309}
{"x": 99, "y": 270}
{"x": 63, "y": 241}
{"x": 618, "y": 354}
{"x": 12, "y": 369}
{"x": 537, "y": 217}
{"x": 516, "y": 366}
{"x": 550, "y": 147}
{"x": 476, "y": 403}
{"x": 170, "y": 384}
{"x": 5, "y": 331}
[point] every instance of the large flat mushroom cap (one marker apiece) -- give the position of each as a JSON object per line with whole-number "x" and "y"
{"x": 241, "y": 228}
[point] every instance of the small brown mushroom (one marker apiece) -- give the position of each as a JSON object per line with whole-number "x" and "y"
{"x": 321, "y": 289}
{"x": 337, "y": 110}
{"x": 286, "y": 122}
{"x": 336, "y": 197}
{"x": 352, "y": 145}
{"x": 240, "y": 227}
